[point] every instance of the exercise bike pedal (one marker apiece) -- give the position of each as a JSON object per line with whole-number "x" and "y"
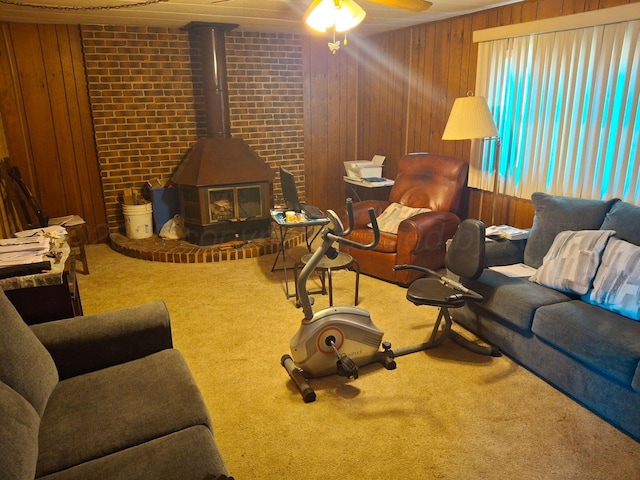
{"x": 347, "y": 367}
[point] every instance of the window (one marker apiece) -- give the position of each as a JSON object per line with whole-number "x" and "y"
{"x": 567, "y": 106}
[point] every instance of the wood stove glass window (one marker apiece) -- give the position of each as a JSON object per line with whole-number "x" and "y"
{"x": 235, "y": 203}
{"x": 249, "y": 202}
{"x": 221, "y": 204}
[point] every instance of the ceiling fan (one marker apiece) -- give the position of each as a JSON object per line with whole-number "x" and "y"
{"x": 343, "y": 15}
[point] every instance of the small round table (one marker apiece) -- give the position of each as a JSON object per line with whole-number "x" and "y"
{"x": 343, "y": 261}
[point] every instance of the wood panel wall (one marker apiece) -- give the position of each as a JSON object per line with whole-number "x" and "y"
{"x": 407, "y": 82}
{"x": 44, "y": 104}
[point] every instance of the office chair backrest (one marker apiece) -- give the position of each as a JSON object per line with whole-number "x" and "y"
{"x": 465, "y": 255}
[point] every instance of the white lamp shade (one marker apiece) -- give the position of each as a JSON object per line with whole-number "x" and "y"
{"x": 323, "y": 14}
{"x": 470, "y": 118}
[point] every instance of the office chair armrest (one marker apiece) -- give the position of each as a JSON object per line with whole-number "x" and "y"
{"x": 426, "y": 231}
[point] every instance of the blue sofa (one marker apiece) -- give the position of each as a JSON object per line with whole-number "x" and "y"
{"x": 586, "y": 345}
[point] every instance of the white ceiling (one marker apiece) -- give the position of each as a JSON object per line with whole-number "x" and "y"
{"x": 252, "y": 15}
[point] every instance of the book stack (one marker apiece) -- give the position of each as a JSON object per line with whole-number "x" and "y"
{"x": 506, "y": 231}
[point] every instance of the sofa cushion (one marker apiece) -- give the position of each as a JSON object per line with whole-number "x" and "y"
{"x": 556, "y": 214}
{"x": 188, "y": 454}
{"x": 624, "y": 218}
{"x": 388, "y": 241}
{"x": 108, "y": 410}
{"x": 616, "y": 287}
{"x": 25, "y": 365}
{"x": 19, "y": 424}
{"x": 513, "y": 299}
{"x": 603, "y": 340}
{"x": 572, "y": 261}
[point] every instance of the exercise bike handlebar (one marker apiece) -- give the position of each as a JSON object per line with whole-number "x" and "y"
{"x": 331, "y": 234}
{"x": 340, "y": 236}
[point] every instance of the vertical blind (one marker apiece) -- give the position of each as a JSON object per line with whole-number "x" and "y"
{"x": 568, "y": 113}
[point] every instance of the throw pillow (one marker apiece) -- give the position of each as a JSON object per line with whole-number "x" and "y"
{"x": 617, "y": 283}
{"x": 556, "y": 214}
{"x": 624, "y": 218}
{"x": 572, "y": 261}
{"x": 390, "y": 219}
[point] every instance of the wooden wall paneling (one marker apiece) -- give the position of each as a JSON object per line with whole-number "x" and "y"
{"x": 439, "y": 105}
{"x": 422, "y": 88}
{"x": 12, "y": 110}
{"x": 402, "y": 82}
{"x": 43, "y": 179}
{"x": 50, "y": 116}
{"x": 62, "y": 191}
{"x": 92, "y": 207}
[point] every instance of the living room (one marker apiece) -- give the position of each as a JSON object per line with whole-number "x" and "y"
{"x": 136, "y": 124}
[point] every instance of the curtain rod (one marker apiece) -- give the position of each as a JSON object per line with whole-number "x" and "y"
{"x": 605, "y": 16}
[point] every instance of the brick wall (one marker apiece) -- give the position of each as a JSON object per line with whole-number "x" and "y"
{"x": 145, "y": 87}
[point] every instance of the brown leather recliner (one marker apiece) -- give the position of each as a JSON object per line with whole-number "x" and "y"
{"x": 423, "y": 180}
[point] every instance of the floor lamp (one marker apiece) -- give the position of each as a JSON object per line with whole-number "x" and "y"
{"x": 470, "y": 119}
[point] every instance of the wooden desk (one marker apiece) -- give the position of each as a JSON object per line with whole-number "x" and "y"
{"x": 52, "y": 295}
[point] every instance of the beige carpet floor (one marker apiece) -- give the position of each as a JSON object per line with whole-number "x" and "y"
{"x": 443, "y": 414}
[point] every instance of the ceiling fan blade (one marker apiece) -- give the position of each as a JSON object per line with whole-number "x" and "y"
{"x": 411, "y": 5}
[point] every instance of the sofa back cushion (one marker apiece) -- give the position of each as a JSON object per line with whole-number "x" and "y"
{"x": 25, "y": 365}
{"x": 19, "y": 424}
{"x": 624, "y": 218}
{"x": 555, "y": 214}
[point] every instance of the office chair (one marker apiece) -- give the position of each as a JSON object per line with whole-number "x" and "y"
{"x": 464, "y": 258}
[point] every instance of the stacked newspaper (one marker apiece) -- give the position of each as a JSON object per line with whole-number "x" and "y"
{"x": 24, "y": 250}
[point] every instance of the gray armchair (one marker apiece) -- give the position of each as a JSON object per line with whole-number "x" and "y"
{"x": 96, "y": 396}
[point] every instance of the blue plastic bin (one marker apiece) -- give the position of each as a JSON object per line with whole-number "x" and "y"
{"x": 166, "y": 204}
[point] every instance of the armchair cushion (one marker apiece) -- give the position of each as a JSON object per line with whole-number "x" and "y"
{"x": 103, "y": 412}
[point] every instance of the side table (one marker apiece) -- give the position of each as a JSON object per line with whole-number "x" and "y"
{"x": 47, "y": 296}
{"x": 343, "y": 261}
{"x": 278, "y": 218}
{"x": 361, "y": 190}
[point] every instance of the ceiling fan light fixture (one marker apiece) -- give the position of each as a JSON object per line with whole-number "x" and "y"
{"x": 343, "y": 15}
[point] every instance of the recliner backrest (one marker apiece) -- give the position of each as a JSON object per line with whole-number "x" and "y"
{"x": 25, "y": 365}
{"x": 429, "y": 180}
{"x": 465, "y": 254}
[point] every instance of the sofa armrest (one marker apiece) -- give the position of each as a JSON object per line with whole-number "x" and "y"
{"x": 426, "y": 231}
{"x": 504, "y": 252}
{"x": 92, "y": 342}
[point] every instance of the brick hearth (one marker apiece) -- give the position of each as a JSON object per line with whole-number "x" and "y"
{"x": 157, "y": 249}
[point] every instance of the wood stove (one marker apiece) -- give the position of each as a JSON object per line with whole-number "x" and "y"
{"x": 225, "y": 188}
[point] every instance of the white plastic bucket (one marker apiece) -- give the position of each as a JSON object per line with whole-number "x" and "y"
{"x": 138, "y": 220}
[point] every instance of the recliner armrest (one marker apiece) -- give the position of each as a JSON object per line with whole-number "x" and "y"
{"x": 504, "y": 252}
{"x": 426, "y": 231}
{"x": 361, "y": 212}
{"x": 84, "y": 344}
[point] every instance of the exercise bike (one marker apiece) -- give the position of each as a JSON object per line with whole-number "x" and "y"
{"x": 335, "y": 339}
{"x": 341, "y": 339}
